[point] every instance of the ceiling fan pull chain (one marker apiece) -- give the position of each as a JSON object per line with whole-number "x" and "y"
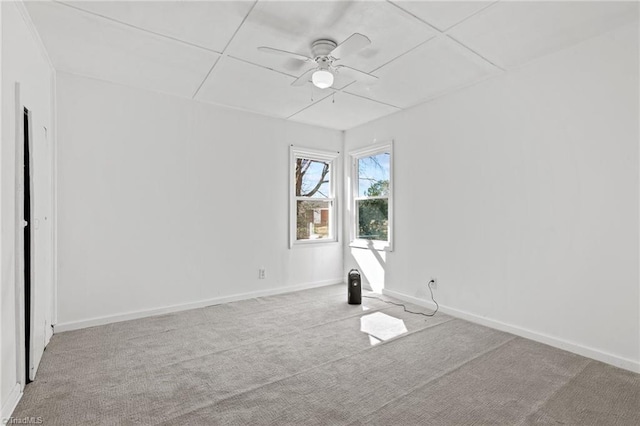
{"x": 333, "y": 101}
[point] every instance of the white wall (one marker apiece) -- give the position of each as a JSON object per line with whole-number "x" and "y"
{"x": 24, "y": 61}
{"x": 520, "y": 195}
{"x": 164, "y": 201}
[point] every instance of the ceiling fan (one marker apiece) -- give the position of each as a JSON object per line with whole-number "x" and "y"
{"x": 325, "y": 53}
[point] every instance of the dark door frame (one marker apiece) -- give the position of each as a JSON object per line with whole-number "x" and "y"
{"x": 27, "y": 248}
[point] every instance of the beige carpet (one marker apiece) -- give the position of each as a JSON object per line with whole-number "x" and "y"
{"x": 309, "y": 358}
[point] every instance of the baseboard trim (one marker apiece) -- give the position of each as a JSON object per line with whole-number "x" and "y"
{"x": 92, "y": 322}
{"x": 608, "y": 358}
{"x": 11, "y": 403}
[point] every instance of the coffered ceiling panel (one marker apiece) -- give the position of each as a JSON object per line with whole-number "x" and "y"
{"x": 209, "y": 24}
{"x": 343, "y": 112}
{"x": 253, "y": 88}
{"x": 434, "y": 68}
{"x": 442, "y": 14}
{"x": 513, "y": 33}
{"x": 294, "y": 25}
{"x": 84, "y": 44}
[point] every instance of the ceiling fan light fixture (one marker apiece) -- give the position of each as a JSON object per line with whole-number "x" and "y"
{"x": 322, "y": 79}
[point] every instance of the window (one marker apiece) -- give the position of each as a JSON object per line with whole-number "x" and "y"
{"x": 371, "y": 194}
{"x": 313, "y": 202}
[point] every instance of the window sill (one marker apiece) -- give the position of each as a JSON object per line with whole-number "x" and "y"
{"x": 371, "y": 245}
{"x": 311, "y": 243}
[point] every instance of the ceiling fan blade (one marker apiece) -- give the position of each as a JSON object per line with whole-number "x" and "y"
{"x": 285, "y": 53}
{"x": 341, "y": 80}
{"x": 351, "y": 45}
{"x": 304, "y": 78}
{"x": 357, "y": 75}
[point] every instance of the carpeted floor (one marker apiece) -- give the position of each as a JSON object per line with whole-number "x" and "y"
{"x": 309, "y": 358}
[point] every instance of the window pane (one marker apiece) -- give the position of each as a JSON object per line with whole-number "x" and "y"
{"x": 313, "y": 220}
{"x": 312, "y": 178}
{"x": 373, "y": 219}
{"x": 373, "y": 175}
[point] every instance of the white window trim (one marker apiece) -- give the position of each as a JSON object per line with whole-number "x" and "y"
{"x": 313, "y": 154}
{"x": 353, "y": 191}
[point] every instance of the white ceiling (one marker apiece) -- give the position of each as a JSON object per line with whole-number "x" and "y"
{"x": 207, "y": 50}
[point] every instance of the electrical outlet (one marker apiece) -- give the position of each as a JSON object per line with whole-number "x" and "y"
{"x": 434, "y": 284}
{"x": 262, "y": 273}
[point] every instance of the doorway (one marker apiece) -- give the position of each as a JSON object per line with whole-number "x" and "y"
{"x": 27, "y": 246}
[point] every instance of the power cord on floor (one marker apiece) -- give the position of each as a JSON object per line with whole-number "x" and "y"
{"x": 405, "y": 308}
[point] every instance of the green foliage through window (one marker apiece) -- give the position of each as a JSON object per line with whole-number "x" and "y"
{"x": 373, "y": 219}
{"x": 372, "y": 202}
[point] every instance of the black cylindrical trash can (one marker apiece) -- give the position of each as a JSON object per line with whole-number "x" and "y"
{"x": 354, "y": 287}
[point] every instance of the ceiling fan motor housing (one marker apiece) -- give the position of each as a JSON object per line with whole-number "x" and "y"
{"x": 321, "y": 48}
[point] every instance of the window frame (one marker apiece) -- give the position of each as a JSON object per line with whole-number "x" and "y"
{"x": 354, "y": 156}
{"x": 314, "y": 155}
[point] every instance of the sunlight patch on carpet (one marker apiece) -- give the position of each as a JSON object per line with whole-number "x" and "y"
{"x": 381, "y": 327}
